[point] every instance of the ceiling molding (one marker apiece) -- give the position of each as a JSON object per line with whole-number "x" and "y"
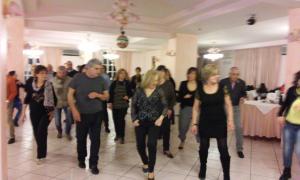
{"x": 257, "y": 45}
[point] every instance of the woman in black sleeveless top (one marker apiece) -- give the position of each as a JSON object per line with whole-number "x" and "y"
{"x": 211, "y": 103}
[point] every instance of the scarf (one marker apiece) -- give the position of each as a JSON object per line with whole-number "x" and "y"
{"x": 49, "y": 101}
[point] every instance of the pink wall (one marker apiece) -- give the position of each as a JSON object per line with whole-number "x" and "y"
{"x": 293, "y": 54}
{"x": 3, "y": 139}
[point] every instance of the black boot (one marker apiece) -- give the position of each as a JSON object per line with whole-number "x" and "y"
{"x": 286, "y": 174}
{"x": 226, "y": 167}
{"x": 202, "y": 173}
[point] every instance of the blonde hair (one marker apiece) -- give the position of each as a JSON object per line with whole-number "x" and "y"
{"x": 148, "y": 78}
{"x": 208, "y": 71}
{"x": 119, "y": 72}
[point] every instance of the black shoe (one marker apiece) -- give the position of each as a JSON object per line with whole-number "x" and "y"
{"x": 286, "y": 174}
{"x": 202, "y": 172}
{"x": 168, "y": 154}
{"x": 59, "y": 135}
{"x": 241, "y": 154}
{"x": 145, "y": 170}
{"x": 82, "y": 165}
{"x": 107, "y": 130}
{"x": 116, "y": 139}
{"x": 181, "y": 145}
{"x": 94, "y": 170}
{"x": 16, "y": 124}
{"x": 122, "y": 141}
{"x": 11, "y": 141}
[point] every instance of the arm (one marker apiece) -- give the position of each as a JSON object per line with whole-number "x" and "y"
{"x": 244, "y": 90}
{"x": 12, "y": 91}
{"x": 111, "y": 92}
{"x": 286, "y": 102}
{"x": 71, "y": 102}
{"x": 229, "y": 110}
{"x": 134, "y": 106}
{"x": 195, "y": 115}
{"x": 165, "y": 111}
{"x": 180, "y": 93}
{"x": 129, "y": 89}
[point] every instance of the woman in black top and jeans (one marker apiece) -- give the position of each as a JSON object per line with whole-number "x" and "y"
{"x": 213, "y": 105}
{"x": 119, "y": 95}
{"x": 186, "y": 96}
{"x": 149, "y": 108}
{"x": 41, "y": 99}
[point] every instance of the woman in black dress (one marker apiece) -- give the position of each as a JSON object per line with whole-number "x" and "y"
{"x": 213, "y": 105}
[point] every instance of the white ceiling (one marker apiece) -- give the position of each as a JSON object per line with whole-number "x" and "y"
{"x": 64, "y": 23}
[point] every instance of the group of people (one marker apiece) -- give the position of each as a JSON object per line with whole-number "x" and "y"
{"x": 209, "y": 107}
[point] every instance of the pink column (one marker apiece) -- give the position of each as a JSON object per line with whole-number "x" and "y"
{"x": 15, "y": 33}
{"x": 3, "y": 139}
{"x": 293, "y": 54}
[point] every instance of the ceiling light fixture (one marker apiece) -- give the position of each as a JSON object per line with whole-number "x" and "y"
{"x": 111, "y": 56}
{"x": 213, "y": 54}
{"x": 89, "y": 46}
{"x": 32, "y": 52}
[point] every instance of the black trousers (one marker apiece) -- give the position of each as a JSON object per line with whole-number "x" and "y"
{"x": 119, "y": 121}
{"x": 224, "y": 154}
{"x": 152, "y": 131}
{"x": 90, "y": 124}
{"x": 105, "y": 115}
{"x": 165, "y": 132}
{"x": 40, "y": 122}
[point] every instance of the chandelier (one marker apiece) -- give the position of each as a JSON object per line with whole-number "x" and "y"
{"x": 89, "y": 46}
{"x": 111, "y": 55}
{"x": 123, "y": 16}
{"x": 32, "y": 52}
{"x": 213, "y": 54}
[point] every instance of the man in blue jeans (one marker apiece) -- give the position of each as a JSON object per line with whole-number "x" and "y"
{"x": 237, "y": 90}
{"x": 60, "y": 84}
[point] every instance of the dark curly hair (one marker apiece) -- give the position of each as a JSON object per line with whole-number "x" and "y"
{"x": 296, "y": 78}
{"x": 39, "y": 68}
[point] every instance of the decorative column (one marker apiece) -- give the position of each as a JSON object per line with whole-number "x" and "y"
{"x": 186, "y": 55}
{"x": 293, "y": 53}
{"x": 3, "y": 127}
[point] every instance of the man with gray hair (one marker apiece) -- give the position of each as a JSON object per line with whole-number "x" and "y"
{"x": 87, "y": 91}
{"x": 237, "y": 91}
{"x": 60, "y": 84}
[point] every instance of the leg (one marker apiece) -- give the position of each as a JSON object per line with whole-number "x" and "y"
{"x": 224, "y": 156}
{"x": 238, "y": 129}
{"x": 166, "y": 128}
{"x": 57, "y": 117}
{"x": 298, "y": 144}
{"x": 115, "y": 113}
{"x": 35, "y": 118}
{"x": 152, "y": 146}
{"x": 289, "y": 140}
{"x": 184, "y": 122}
{"x": 123, "y": 113}
{"x": 18, "y": 105}
{"x": 140, "y": 133}
{"x": 203, "y": 154}
{"x": 105, "y": 117}
{"x": 81, "y": 134}
{"x": 42, "y": 135}
{"x": 69, "y": 120}
{"x": 94, "y": 132}
{"x": 10, "y": 120}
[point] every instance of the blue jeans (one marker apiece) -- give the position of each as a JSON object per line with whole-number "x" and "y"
{"x": 291, "y": 141}
{"x": 18, "y": 105}
{"x": 238, "y": 128}
{"x": 57, "y": 117}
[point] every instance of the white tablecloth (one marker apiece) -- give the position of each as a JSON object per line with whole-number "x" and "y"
{"x": 265, "y": 108}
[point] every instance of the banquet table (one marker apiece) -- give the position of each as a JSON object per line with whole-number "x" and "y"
{"x": 260, "y": 119}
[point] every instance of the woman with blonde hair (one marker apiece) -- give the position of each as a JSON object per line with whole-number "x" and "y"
{"x": 213, "y": 106}
{"x": 120, "y": 92}
{"x": 149, "y": 109}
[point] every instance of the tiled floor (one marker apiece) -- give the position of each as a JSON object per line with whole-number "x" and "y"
{"x": 121, "y": 162}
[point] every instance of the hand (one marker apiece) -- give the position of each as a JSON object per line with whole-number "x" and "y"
{"x": 187, "y": 96}
{"x": 230, "y": 125}
{"x": 51, "y": 114}
{"x": 158, "y": 122}
{"x": 23, "y": 117}
{"x": 76, "y": 115}
{"x": 169, "y": 113}
{"x": 136, "y": 123}
{"x": 194, "y": 130}
{"x": 281, "y": 120}
{"x": 93, "y": 95}
{"x": 126, "y": 98}
{"x": 109, "y": 105}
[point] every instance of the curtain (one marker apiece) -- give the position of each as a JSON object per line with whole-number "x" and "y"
{"x": 259, "y": 65}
